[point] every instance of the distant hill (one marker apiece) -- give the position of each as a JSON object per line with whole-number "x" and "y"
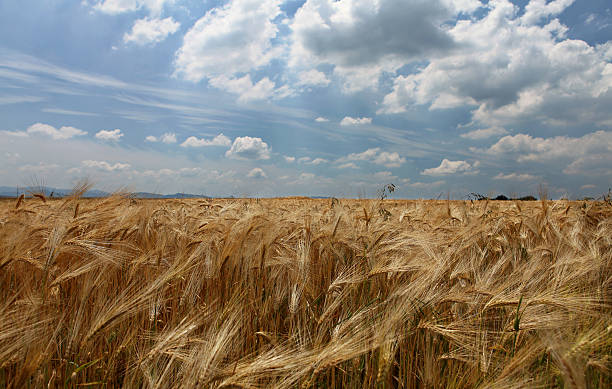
{"x": 12, "y": 192}
{"x": 147, "y": 195}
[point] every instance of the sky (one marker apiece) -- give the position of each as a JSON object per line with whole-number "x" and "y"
{"x": 318, "y": 97}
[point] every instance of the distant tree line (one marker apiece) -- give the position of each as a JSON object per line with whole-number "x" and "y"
{"x": 478, "y": 196}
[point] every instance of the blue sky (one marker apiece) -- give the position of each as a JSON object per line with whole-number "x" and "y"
{"x": 316, "y": 97}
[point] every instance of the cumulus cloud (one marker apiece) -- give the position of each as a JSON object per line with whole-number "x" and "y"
{"x": 384, "y": 176}
{"x": 244, "y": 87}
{"x": 318, "y": 161}
{"x": 168, "y": 138}
{"x": 246, "y": 147}
{"x": 510, "y": 69}
{"x": 426, "y": 185}
{"x": 228, "y": 42}
{"x": 484, "y": 133}
{"x": 349, "y": 121}
{"x": 375, "y": 155}
{"x": 449, "y": 167}
{"x": 348, "y": 165}
{"x": 155, "y": 7}
{"x": 257, "y": 173}
{"x": 166, "y": 172}
{"x": 389, "y": 159}
{"x": 103, "y": 165}
{"x": 289, "y": 159}
{"x": 41, "y": 167}
{"x": 109, "y": 135}
{"x": 151, "y": 31}
{"x": 363, "y": 38}
{"x": 17, "y": 134}
{"x": 306, "y": 176}
{"x": 536, "y": 10}
{"x": 515, "y": 177}
{"x": 219, "y": 140}
{"x": 55, "y": 134}
{"x": 307, "y": 160}
{"x": 591, "y": 165}
{"x": 312, "y": 77}
{"x": 524, "y": 147}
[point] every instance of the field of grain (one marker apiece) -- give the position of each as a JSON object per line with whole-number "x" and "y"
{"x": 296, "y": 293}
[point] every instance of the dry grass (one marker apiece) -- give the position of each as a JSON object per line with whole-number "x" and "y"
{"x": 304, "y": 293}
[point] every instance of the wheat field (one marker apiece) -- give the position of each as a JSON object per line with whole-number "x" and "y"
{"x": 300, "y": 293}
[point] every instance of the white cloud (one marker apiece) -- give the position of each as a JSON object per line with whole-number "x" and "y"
{"x": 306, "y": 176}
{"x": 321, "y": 119}
{"x": 303, "y": 159}
{"x": 318, "y": 161}
{"x": 484, "y": 133}
{"x": 244, "y": 87}
{"x": 364, "y": 38}
{"x": 257, "y": 173}
{"x": 312, "y": 77}
{"x": 349, "y": 121}
{"x": 151, "y": 31}
{"x": 448, "y": 167}
{"x": 515, "y": 177}
{"x": 169, "y": 137}
{"x": 384, "y": 176}
{"x": 588, "y": 186}
{"x": 68, "y": 112}
{"x": 348, "y": 165}
{"x": 18, "y": 134}
{"x": 591, "y": 165}
{"x": 103, "y": 165}
{"x": 219, "y": 140}
{"x": 524, "y": 147}
{"x": 289, "y": 159}
{"x": 165, "y": 172}
{"x": 111, "y": 135}
{"x": 12, "y": 157}
{"x": 388, "y": 159}
{"x": 155, "y": 7}
{"x": 19, "y": 99}
{"x": 230, "y": 40}
{"x": 536, "y": 10}
{"x": 425, "y": 185}
{"x": 512, "y": 70}
{"x": 41, "y": 167}
{"x": 56, "y": 134}
{"x": 246, "y": 147}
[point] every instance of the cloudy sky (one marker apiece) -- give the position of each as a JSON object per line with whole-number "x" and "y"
{"x": 315, "y": 97}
